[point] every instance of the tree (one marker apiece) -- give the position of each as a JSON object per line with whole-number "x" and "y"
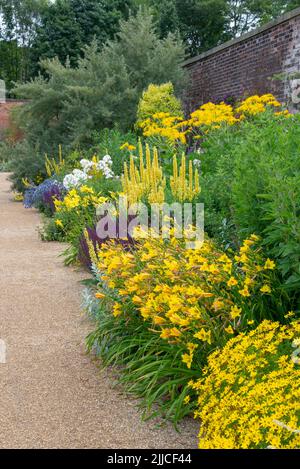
{"x": 19, "y": 19}
{"x": 67, "y": 104}
{"x": 58, "y": 35}
{"x": 68, "y": 25}
{"x": 243, "y": 15}
{"x": 99, "y": 19}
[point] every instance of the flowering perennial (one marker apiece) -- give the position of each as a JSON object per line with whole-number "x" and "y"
{"x": 196, "y": 298}
{"x": 89, "y": 169}
{"x": 249, "y": 396}
{"x": 149, "y": 183}
{"x": 208, "y": 116}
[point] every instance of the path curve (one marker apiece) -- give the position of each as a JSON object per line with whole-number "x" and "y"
{"x": 51, "y": 394}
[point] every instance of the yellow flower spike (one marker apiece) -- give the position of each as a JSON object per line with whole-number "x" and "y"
{"x": 117, "y": 310}
{"x": 91, "y": 248}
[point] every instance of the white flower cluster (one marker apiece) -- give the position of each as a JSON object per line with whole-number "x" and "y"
{"x": 79, "y": 177}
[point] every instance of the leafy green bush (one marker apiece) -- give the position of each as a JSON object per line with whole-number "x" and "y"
{"x": 158, "y": 98}
{"x": 250, "y": 184}
{"x": 26, "y": 162}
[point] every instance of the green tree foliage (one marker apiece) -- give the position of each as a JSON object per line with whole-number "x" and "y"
{"x": 68, "y": 104}
{"x": 206, "y": 23}
{"x": 68, "y": 25}
{"x": 58, "y": 35}
{"x": 245, "y": 15}
{"x": 18, "y": 21}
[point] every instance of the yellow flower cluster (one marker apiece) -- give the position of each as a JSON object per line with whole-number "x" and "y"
{"x": 197, "y": 298}
{"x": 257, "y": 104}
{"x": 249, "y": 396}
{"x": 208, "y": 116}
{"x": 147, "y": 181}
{"x": 76, "y": 198}
{"x": 213, "y": 115}
{"x": 165, "y": 125}
{"x": 184, "y": 189}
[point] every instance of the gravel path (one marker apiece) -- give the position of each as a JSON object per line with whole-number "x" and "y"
{"x": 51, "y": 394}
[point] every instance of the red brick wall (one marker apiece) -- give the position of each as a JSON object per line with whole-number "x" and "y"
{"x": 5, "y": 122}
{"x": 245, "y": 65}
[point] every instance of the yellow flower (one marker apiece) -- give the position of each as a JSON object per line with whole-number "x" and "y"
{"x": 117, "y": 310}
{"x": 204, "y": 336}
{"x": 127, "y": 146}
{"x": 290, "y": 314}
{"x": 59, "y": 223}
{"x": 269, "y": 265}
{"x": 187, "y": 399}
{"x": 229, "y": 330}
{"x": 235, "y": 312}
{"x": 265, "y": 289}
{"x": 168, "y": 333}
{"x": 86, "y": 190}
{"x": 232, "y": 282}
{"x": 244, "y": 292}
{"x": 187, "y": 359}
{"x": 100, "y": 296}
{"x": 136, "y": 299}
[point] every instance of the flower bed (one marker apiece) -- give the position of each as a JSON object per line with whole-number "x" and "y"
{"x": 212, "y": 331}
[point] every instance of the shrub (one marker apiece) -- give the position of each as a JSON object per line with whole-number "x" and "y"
{"x": 27, "y": 162}
{"x": 250, "y": 175}
{"x": 250, "y": 393}
{"x": 157, "y": 99}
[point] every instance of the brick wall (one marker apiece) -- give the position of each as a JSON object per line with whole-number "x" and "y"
{"x": 5, "y": 122}
{"x": 245, "y": 65}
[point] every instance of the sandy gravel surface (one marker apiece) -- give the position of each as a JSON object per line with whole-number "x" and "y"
{"x": 51, "y": 394}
